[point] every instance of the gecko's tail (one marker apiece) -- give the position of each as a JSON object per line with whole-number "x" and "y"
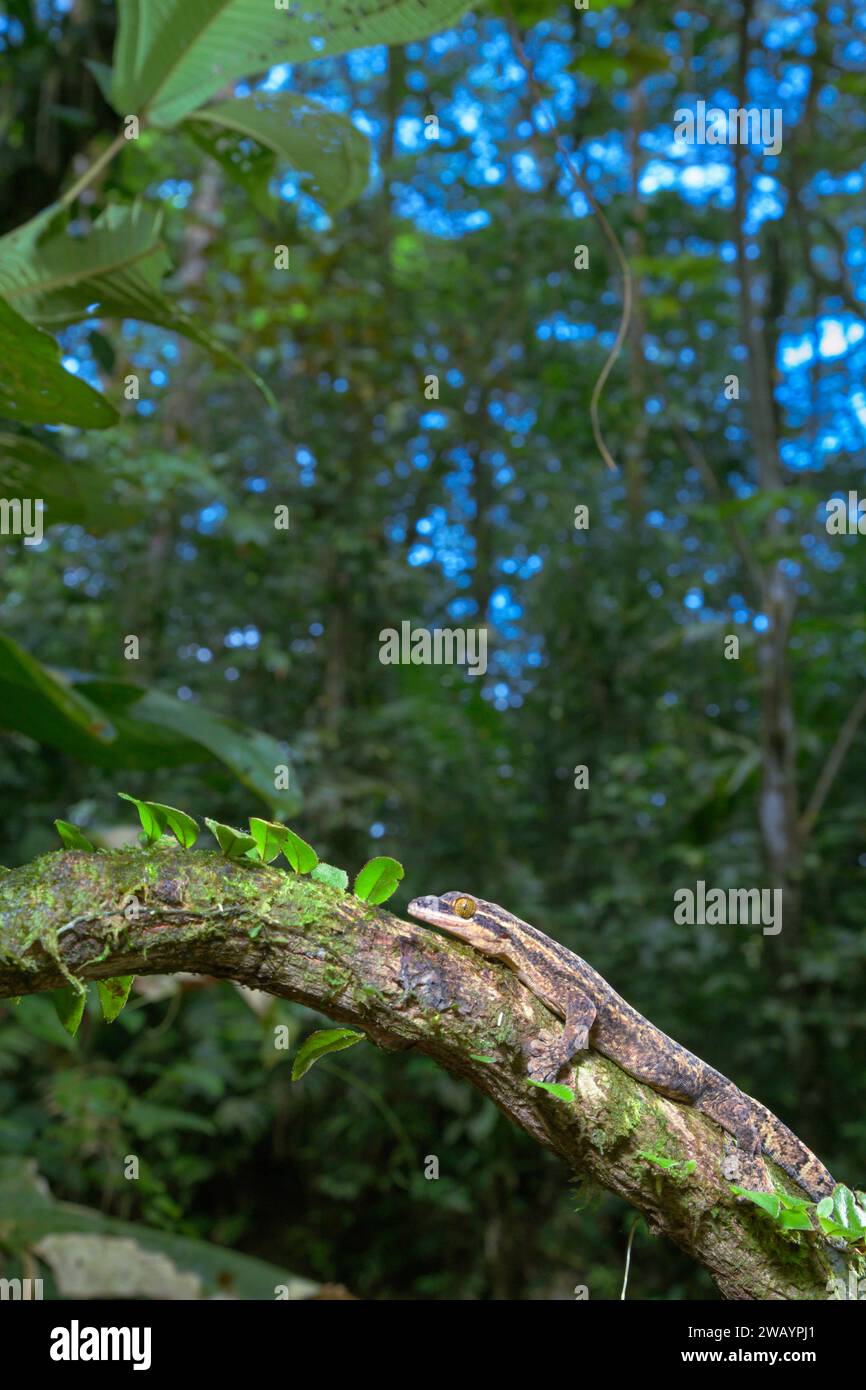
{"x": 791, "y": 1154}
{"x": 754, "y": 1126}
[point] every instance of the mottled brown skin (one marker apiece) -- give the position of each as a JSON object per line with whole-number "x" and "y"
{"x": 596, "y": 1016}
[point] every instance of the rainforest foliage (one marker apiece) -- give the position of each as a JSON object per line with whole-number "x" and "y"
{"x": 331, "y": 315}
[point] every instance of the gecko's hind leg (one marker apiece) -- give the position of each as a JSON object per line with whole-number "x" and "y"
{"x": 730, "y": 1108}
{"x": 549, "y": 1053}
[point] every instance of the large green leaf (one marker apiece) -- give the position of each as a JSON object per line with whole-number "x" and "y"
{"x": 118, "y": 724}
{"x": 297, "y": 130}
{"x": 33, "y": 698}
{"x": 113, "y": 272}
{"x": 251, "y": 755}
{"x": 35, "y": 389}
{"x": 172, "y": 55}
{"x": 71, "y": 494}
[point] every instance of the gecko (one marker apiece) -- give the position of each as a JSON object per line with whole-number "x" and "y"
{"x": 595, "y": 1016}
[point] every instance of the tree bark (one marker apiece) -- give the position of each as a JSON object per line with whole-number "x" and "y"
{"x": 66, "y": 918}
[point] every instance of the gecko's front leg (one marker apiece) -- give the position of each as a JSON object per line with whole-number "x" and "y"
{"x": 549, "y": 1053}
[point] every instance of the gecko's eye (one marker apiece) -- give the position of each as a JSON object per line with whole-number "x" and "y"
{"x": 464, "y": 907}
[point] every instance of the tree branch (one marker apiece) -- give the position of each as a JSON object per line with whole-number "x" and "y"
{"x": 62, "y": 917}
{"x": 835, "y": 759}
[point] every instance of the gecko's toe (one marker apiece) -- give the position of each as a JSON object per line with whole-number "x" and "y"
{"x": 541, "y": 1072}
{"x": 544, "y": 1060}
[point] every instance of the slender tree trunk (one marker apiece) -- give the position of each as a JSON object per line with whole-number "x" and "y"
{"x": 778, "y": 810}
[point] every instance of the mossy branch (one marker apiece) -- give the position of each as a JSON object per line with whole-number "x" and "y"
{"x": 63, "y": 917}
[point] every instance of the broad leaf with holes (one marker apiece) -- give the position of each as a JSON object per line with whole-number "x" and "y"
{"x": 171, "y": 56}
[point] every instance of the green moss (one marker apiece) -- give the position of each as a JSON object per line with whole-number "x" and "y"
{"x": 373, "y": 993}
{"x": 40, "y": 900}
{"x": 624, "y": 1110}
{"x": 337, "y": 981}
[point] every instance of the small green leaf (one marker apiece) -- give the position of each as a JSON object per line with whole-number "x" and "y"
{"x": 269, "y": 838}
{"x": 659, "y": 1160}
{"x": 847, "y": 1212}
{"x": 554, "y": 1088}
{"x": 480, "y": 1057}
{"x": 794, "y": 1221}
{"x": 320, "y": 1044}
{"x": 302, "y": 857}
{"x": 335, "y": 878}
{"x": 378, "y": 879}
{"x": 182, "y": 826}
{"x": 842, "y": 1216}
{"x": 235, "y": 844}
{"x": 682, "y": 1166}
{"x": 71, "y": 836}
{"x": 113, "y": 994}
{"x": 69, "y": 1005}
{"x": 767, "y": 1201}
{"x": 794, "y": 1203}
{"x": 832, "y": 1228}
{"x": 152, "y": 822}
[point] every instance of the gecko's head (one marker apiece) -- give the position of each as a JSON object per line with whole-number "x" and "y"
{"x": 481, "y": 924}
